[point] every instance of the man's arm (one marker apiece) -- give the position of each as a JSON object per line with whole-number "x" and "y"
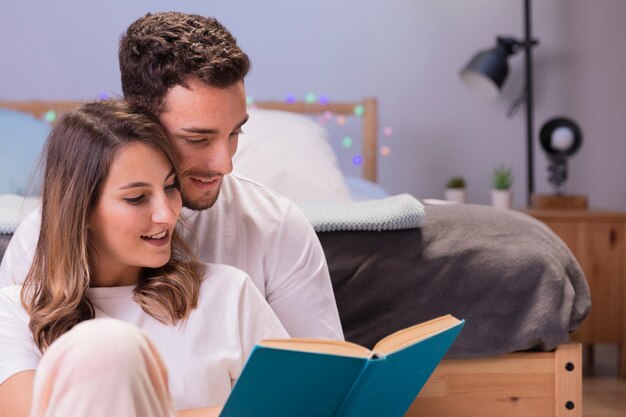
{"x": 298, "y": 286}
{"x": 18, "y": 256}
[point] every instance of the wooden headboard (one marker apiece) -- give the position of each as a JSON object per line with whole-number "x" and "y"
{"x": 369, "y": 119}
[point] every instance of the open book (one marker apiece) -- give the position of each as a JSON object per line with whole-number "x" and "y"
{"x": 327, "y": 378}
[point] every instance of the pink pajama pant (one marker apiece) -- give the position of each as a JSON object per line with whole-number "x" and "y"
{"x": 102, "y": 368}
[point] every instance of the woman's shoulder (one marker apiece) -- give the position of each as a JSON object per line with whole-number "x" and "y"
{"x": 223, "y": 289}
{"x": 222, "y": 275}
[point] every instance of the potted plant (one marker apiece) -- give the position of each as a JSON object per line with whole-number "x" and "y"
{"x": 455, "y": 190}
{"x": 501, "y": 182}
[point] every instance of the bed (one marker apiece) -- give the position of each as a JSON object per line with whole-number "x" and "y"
{"x": 519, "y": 288}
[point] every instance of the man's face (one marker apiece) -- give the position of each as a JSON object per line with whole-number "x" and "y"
{"x": 205, "y": 123}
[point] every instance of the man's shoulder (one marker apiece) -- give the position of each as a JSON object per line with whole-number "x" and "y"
{"x": 238, "y": 185}
{"x": 11, "y": 298}
{"x": 241, "y": 197}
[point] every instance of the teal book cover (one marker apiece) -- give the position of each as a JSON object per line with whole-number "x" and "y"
{"x": 309, "y": 378}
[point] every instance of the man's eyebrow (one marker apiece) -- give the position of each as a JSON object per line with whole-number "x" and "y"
{"x": 244, "y": 121}
{"x": 200, "y": 130}
{"x": 210, "y": 131}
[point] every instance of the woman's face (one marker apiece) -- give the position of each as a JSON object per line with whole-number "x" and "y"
{"x": 132, "y": 223}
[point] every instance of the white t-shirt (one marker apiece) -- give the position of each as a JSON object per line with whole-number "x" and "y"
{"x": 254, "y": 229}
{"x": 204, "y": 355}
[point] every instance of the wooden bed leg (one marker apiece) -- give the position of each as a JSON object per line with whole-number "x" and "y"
{"x": 568, "y": 382}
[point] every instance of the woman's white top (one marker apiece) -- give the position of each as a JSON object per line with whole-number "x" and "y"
{"x": 204, "y": 355}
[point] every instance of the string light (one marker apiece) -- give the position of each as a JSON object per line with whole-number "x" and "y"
{"x": 50, "y": 116}
{"x": 249, "y": 101}
{"x": 103, "y": 96}
{"x": 340, "y": 120}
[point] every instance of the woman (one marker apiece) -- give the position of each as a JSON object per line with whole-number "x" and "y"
{"x": 109, "y": 250}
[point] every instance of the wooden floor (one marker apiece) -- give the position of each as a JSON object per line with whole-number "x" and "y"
{"x": 604, "y": 395}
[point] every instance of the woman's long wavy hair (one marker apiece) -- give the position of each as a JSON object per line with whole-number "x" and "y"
{"x": 77, "y": 155}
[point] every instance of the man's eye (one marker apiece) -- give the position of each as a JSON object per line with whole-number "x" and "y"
{"x": 134, "y": 200}
{"x": 195, "y": 141}
{"x": 237, "y": 133}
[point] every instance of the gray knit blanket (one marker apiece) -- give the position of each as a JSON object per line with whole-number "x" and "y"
{"x": 398, "y": 212}
{"x": 13, "y": 208}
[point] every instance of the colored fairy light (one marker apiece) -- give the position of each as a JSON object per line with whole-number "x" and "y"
{"x": 341, "y": 120}
{"x": 385, "y": 151}
{"x": 357, "y": 160}
{"x": 290, "y": 98}
{"x": 310, "y": 98}
{"x": 388, "y": 131}
{"x": 50, "y": 116}
{"x": 328, "y": 115}
{"x": 322, "y": 119}
{"x": 249, "y": 101}
{"x": 103, "y": 96}
{"x": 359, "y": 110}
{"x": 323, "y": 100}
{"x": 347, "y": 142}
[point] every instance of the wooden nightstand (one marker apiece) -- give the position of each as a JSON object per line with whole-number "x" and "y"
{"x": 598, "y": 240}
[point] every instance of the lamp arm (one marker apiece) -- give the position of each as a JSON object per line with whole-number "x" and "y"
{"x": 517, "y": 103}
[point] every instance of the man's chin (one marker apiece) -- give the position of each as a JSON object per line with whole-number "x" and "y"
{"x": 200, "y": 203}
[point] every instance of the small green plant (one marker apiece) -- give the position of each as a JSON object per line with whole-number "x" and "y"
{"x": 456, "y": 182}
{"x": 502, "y": 178}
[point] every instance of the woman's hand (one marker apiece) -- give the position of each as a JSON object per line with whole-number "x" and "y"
{"x": 16, "y": 395}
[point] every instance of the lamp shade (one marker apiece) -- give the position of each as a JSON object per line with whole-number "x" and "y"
{"x": 487, "y": 70}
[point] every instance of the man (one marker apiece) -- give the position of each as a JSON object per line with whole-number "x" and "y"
{"x": 188, "y": 71}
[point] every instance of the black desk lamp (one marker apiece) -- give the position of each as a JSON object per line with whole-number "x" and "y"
{"x": 487, "y": 71}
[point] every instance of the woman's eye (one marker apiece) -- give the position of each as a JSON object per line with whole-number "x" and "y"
{"x": 134, "y": 200}
{"x": 171, "y": 187}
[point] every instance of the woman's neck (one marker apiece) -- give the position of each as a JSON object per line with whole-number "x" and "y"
{"x": 114, "y": 275}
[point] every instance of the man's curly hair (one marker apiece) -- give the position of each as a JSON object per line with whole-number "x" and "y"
{"x": 162, "y": 50}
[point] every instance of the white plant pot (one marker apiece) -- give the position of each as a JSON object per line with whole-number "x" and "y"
{"x": 457, "y": 195}
{"x": 502, "y": 198}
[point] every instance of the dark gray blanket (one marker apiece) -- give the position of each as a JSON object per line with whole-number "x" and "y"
{"x": 4, "y": 242}
{"x": 513, "y": 280}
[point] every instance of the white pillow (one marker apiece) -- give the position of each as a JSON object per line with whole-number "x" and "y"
{"x": 291, "y": 154}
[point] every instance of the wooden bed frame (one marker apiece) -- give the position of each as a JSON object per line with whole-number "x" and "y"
{"x": 537, "y": 384}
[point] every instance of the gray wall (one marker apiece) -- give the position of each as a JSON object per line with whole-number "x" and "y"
{"x": 405, "y": 52}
